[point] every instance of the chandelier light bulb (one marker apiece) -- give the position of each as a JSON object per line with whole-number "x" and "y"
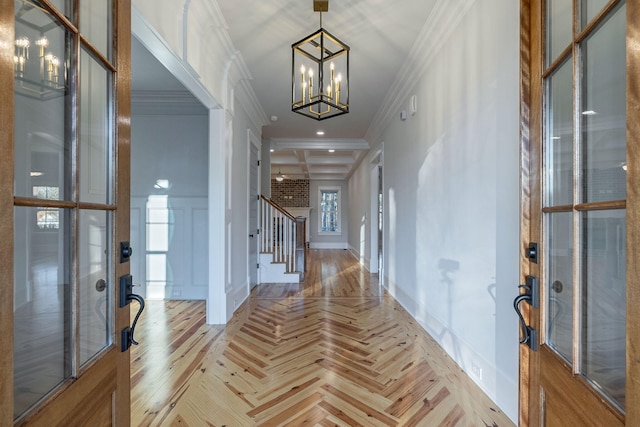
{"x": 22, "y": 42}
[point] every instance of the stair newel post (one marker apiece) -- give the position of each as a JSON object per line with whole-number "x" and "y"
{"x": 300, "y": 243}
{"x": 270, "y": 232}
{"x": 261, "y": 221}
{"x": 292, "y": 254}
{"x": 286, "y": 253}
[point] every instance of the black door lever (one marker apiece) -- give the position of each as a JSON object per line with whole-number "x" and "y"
{"x": 126, "y": 296}
{"x": 529, "y": 334}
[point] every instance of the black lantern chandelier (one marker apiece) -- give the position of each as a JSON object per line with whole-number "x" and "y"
{"x": 320, "y": 73}
{"x": 41, "y": 75}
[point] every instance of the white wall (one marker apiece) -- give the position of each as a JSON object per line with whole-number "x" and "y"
{"x": 451, "y": 189}
{"x": 328, "y": 241}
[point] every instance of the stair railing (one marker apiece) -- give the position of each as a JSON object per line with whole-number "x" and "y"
{"x": 278, "y": 233}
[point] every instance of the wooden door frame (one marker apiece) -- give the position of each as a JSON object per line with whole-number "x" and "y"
{"x": 530, "y": 46}
{"x": 633, "y": 214}
{"x": 57, "y": 411}
{"x": 123, "y": 198}
{"x": 7, "y": 31}
{"x": 531, "y": 16}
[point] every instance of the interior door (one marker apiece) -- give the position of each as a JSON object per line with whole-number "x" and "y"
{"x": 254, "y": 194}
{"x": 64, "y": 197}
{"x": 579, "y": 202}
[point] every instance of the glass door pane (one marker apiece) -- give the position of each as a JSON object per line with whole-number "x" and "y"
{"x": 559, "y": 137}
{"x": 42, "y": 305}
{"x": 95, "y": 131}
{"x": 95, "y": 283}
{"x": 559, "y": 16}
{"x": 603, "y": 111}
{"x": 604, "y": 302}
{"x": 96, "y": 25}
{"x": 559, "y": 288}
{"x": 42, "y": 145}
{"x": 589, "y": 9}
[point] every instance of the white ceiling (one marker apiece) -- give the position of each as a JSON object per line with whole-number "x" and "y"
{"x": 380, "y": 34}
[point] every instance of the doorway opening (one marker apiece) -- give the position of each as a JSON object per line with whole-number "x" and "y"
{"x": 169, "y": 183}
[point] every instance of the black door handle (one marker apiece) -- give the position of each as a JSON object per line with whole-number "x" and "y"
{"x": 529, "y": 334}
{"x": 526, "y": 330}
{"x": 140, "y": 300}
{"x": 126, "y": 296}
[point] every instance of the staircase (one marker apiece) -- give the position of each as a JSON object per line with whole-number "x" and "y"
{"x": 282, "y": 244}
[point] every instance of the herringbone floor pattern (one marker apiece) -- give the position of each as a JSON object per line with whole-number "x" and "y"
{"x": 298, "y": 355}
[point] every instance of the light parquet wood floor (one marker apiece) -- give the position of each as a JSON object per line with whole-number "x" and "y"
{"x": 332, "y": 351}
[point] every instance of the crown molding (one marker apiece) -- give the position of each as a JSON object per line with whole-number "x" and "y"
{"x": 442, "y": 21}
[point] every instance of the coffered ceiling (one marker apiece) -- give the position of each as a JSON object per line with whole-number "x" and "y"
{"x": 316, "y": 158}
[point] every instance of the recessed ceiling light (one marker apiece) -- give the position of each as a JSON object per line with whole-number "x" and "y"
{"x": 555, "y": 138}
{"x": 332, "y": 151}
{"x": 320, "y": 132}
{"x": 589, "y": 113}
{"x": 35, "y": 173}
{"x": 272, "y": 150}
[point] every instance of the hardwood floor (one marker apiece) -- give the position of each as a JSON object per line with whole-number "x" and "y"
{"x": 332, "y": 351}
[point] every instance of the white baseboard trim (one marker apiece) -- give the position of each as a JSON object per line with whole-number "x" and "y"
{"x": 362, "y": 261}
{"x": 460, "y": 351}
{"x": 328, "y": 245}
{"x": 236, "y": 297}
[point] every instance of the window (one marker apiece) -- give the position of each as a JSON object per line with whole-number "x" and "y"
{"x": 47, "y": 218}
{"x": 329, "y": 212}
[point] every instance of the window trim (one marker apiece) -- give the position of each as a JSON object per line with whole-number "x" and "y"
{"x": 337, "y": 189}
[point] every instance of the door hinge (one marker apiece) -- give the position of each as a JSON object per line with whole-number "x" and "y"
{"x": 258, "y": 231}
{"x": 258, "y": 162}
{"x": 258, "y": 265}
{"x": 258, "y": 197}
